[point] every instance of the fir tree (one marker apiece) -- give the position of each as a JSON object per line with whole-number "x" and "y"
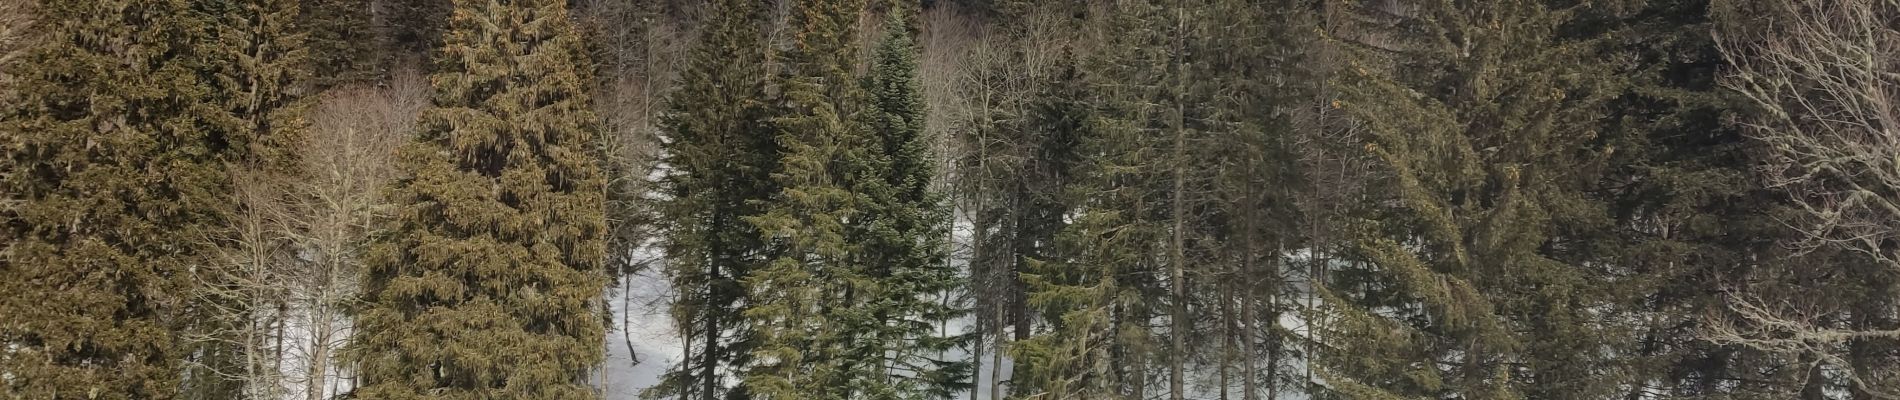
{"x": 802, "y": 297}
{"x": 903, "y": 238}
{"x": 719, "y": 154}
{"x": 1073, "y": 300}
{"x": 1688, "y": 212}
{"x": 419, "y": 25}
{"x": 257, "y": 68}
{"x": 344, "y": 44}
{"x": 1123, "y": 263}
{"x": 488, "y": 285}
{"x": 1486, "y": 117}
{"x": 113, "y": 178}
{"x": 1015, "y": 162}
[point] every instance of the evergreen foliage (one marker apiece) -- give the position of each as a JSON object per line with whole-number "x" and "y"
{"x": 1232, "y": 199}
{"x": 801, "y": 295}
{"x": 344, "y": 44}
{"x": 720, "y": 153}
{"x": 258, "y": 69}
{"x": 1058, "y": 122}
{"x": 489, "y": 284}
{"x": 1689, "y": 211}
{"x": 1486, "y": 118}
{"x": 113, "y": 178}
{"x": 903, "y": 239}
{"x": 419, "y": 25}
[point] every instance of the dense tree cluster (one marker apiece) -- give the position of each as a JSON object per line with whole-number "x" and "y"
{"x": 998, "y": 199}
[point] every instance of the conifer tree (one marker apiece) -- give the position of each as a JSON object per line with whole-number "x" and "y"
{"x": 344, "y": 44}
{"x": 1692, "y": 217}
{"x": 1057, "y": 122}
{"x": 720, "y": 153}
{"x": 488, "y": 285}
{"x": 1486, "y": 117}
{"x": 1013, "y": 167}
{"x": 1248, "y": 82}
{"x": 802, "y": 296}
{"x": 418, "y": 25}
{"x": 903, "y": 238}
{"x": 1124, "y": 262}
{"x": 257, "y": 69}
{"x": 112, "y": 173}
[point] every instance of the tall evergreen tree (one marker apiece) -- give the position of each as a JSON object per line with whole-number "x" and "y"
{"x": 1058, "y": 121}
{"x": 1486, "y": 117}
{"x": 903, "y": 237}
{"x": 256, "y": 62}
{"x": 1015, "y": 161}
{"x": 803, "y": 297}
{"x": 113, "y": 178}
{"x": 488, "y": 285}
{"x": 719, "y": 153}
{"x": 1119, "y": 266}
{"x": 1690, "y": 216}
{"x": 1249, "y": 82}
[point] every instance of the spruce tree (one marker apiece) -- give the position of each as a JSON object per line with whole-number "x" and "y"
{"x": 802, "y": 297}
{"x": 1486, "y": 117}
{"x": 1057, "y": 122}
{"x": 719, "y": 153}
{"x": 1692, "y": 215}
{"x": 1011, "y": 173}
{"x": 257, "y": 68}
{"x": 1123, "y": 263}
{"x": 903, "y": 238}
{"x": 488, "y": 284}
{"x": 344, "y": 44}
{"x": 419, "y": 25}
{"x": 112, "y": 173}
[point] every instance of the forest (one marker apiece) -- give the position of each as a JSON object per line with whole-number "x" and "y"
{"x": 950, "y": 199}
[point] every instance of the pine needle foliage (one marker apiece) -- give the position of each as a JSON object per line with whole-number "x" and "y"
{"x": 112, "y": 179}
{"x": 1485, "y": 117}
{"x": 904, "y": 239}
{"x": 720, "y": 152}
{"x": 802, "y": 290}
{"x": 488, "y": 285}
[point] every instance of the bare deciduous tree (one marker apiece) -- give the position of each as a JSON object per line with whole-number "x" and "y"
{"x": 1824, "y": 76}
{"x": 243, "y": 297}
{"x": 334, "y": 206}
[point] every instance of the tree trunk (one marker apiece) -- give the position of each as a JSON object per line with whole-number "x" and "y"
{"x": 709, "y": 349}
{"x": 1814, "y": 386}
{"x": 320, "y": 337}
{"x": 1176, "y": 377}
{"x": 1248, "y": 319}
{"x": 976, "y": 364}
{"x": 1227, "y": 356}
{"x": 996, "y": 364}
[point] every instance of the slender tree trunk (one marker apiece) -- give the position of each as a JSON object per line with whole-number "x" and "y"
{"x": 278, "y": 386}
{"x": 687, "y": 338}
{"x": 996, "y": 362}
{"x": 976, "y": 364}
{"x": 626, "y": 320}
{"x": 709, "y": 350}
{"x": 1227, "y": 355}
{"x": 1248, "y": 320}
{"x": 1176, "y": 378}
{"x": 320, "y": 336}
{"x": 1814, "y": 386}
{"x": 979, "y": 253}
{"x": 1277, "y": 347}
